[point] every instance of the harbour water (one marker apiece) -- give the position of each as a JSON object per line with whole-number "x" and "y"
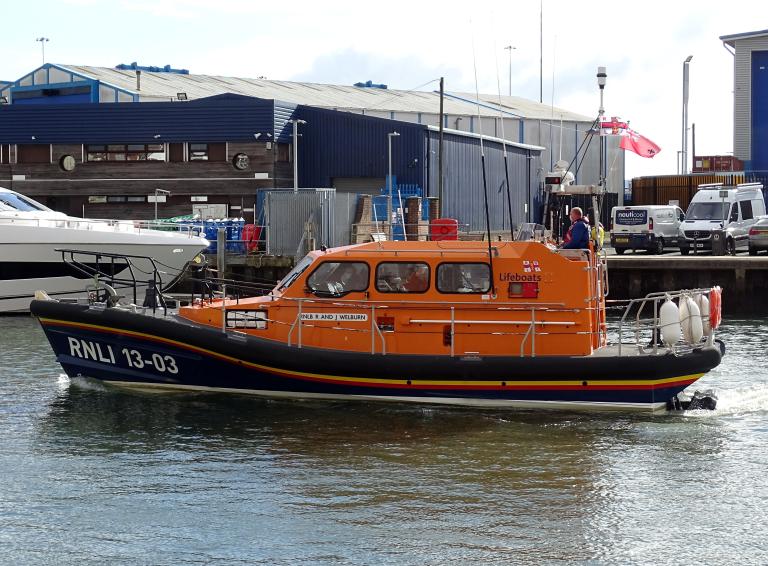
{"x": 95, "y": 475}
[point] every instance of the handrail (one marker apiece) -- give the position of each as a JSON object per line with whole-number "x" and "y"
{"x": 416, "y": 302}
{"x": 532, "y": 332}
{"x": 110, "y": 225}
{"x": 374, "y": 325}
{"x": 499, "y": 322}
{"x": 655, "y": 324}
{"x": 76, "y": 259}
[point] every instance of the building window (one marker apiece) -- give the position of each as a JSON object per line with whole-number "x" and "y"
{"x": 126, "y": 152}
{"x": 198, "y": 152}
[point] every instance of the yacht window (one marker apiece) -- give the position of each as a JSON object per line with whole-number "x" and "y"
{"x": 401, "y": 277}
{"x": 463, "y": 278}
{"x": 339, "y": 277}
{"x": 294, "y": 273}
{"x": 18, "y": 202}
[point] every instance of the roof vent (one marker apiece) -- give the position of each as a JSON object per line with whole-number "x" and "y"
{"x": 151, "y": 69}
{"x": 369, "y": 84}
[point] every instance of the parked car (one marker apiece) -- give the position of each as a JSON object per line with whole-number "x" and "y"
{"x": 734, "y": 210}
{"x": 758, "y": 236}
{"x": 650, "y": 228}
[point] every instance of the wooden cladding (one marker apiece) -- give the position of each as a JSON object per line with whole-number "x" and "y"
{"x": 217, "y": 152}
{"x": 175, "y": 152}
{"x": 680, "y": 188}
{"x": 34, "y": 153}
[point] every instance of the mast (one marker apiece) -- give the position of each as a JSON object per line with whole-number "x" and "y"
{"x": 440, "y": 151}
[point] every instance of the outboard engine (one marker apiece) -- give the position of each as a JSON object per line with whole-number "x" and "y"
{"x": 701, "y": 400}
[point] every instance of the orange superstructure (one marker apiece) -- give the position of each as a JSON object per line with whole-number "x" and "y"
{"x": 432, "y": 298}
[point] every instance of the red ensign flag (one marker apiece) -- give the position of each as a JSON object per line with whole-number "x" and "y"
{"x": 641, "y": 145}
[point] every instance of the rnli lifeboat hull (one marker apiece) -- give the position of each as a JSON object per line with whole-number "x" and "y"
{"x": 130, "y": 349}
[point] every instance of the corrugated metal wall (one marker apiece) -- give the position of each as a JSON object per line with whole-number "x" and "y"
{"x": 742, "y": 95}
{"x": 287, "y": 214}
{"x": 283, "y": 128}
{"x": 663, "y": 189}
{"x": 760, "y": 111}
{"x": 463, "y": 181}
{"x": 574, "y": 134}
{"x": 340, "y": 144}
{"x": 216, "y": 119}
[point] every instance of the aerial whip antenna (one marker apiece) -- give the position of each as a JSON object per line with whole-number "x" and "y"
{"x": 482, "y": 160}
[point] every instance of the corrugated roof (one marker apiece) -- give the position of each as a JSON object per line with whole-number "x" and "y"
{"x": 165, "y": 86}
{"x": 731, "y": 39}
{"x": 525, "y": 108}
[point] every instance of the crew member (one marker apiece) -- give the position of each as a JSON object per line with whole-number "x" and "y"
{"x": 577, "y": 236}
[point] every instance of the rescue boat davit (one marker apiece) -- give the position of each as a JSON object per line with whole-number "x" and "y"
{"x": 515, "y": 324}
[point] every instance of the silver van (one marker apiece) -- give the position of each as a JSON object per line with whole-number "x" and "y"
{"x": 734, "y": 210}
{"x": 651, "y": 227}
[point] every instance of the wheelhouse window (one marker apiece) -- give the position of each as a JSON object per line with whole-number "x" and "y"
{"x": 294, "y": 273}
{"x": 336, "y": 278}
{"x": 463, "y": 278}
{"x": 126, "y": 152}
{"x": 402, "y": 277}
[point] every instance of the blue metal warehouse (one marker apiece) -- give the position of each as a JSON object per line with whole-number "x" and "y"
{"x": 335, "y": 149}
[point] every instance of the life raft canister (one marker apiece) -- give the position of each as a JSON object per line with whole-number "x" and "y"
{"x": 715, "y": 313}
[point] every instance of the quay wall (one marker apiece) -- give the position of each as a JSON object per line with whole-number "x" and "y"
{"x": 744, "y": 279}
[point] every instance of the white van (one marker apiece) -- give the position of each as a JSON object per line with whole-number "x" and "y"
{"x": 717, "y": 207}
{"x": 651, "y": 227}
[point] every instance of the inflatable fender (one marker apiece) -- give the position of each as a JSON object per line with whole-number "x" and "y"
{"x": 669, "y": 320}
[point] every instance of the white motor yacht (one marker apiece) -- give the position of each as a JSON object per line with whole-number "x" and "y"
{"x": 30, "y": 234}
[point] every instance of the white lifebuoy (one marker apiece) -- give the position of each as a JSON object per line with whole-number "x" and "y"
{"x": 690, "y": 320}
{"x": 703, "y": 303}
{"x": 669, "y": 320}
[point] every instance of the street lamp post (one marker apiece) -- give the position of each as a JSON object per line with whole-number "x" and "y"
{"x": 602, "y": 76}
{"x": 159, "y": 192}
{"x": 42, "y": 41}
{"x": 510, "y": 48}
{"x": 296, "y": 154}
{"x": 389, "y": 180}
{"x": 684, "y": 167}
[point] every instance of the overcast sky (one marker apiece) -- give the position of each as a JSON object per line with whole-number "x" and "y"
{"x": 407, "y": 44}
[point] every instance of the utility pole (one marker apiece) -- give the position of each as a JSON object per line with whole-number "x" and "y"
{"x": 686, "y": 64}
{"x": 510, "y": 48}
